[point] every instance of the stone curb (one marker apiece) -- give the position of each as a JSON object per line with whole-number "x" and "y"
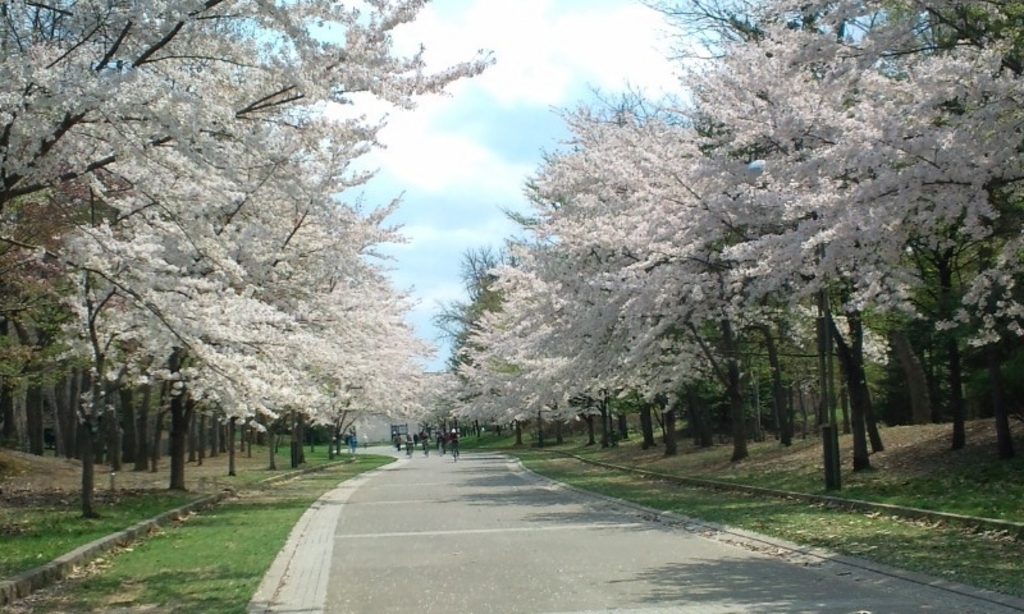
{"x": 25, "y": 583}
{"x": 794, "y": 551}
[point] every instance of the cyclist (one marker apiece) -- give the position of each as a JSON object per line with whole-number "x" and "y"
{"x": 453, "y": 442}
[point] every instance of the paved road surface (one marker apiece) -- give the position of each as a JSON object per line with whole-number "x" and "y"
{"x": 483, "y": 536}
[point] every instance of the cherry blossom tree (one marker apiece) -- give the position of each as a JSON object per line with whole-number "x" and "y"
{"x": 213, "y": 242}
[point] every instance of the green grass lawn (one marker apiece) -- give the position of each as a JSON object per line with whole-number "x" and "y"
{"x": 210, "y": 562}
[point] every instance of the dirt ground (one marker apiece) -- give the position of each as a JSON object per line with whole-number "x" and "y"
{"x": 28, "y": 476}
{"x": 910, "y": 451}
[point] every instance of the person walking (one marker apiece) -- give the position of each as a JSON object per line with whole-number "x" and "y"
{"x": 425, "y": 442}
{"x": 353, "y": 441}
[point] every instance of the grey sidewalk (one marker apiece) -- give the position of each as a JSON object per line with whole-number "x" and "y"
{"x": 483, "y": 535}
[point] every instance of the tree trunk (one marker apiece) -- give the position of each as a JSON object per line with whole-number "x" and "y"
{"x": 669, "y": 422}
{"x": 780, "y": 411}
{"x": 182, "y": 415}
{"x": 112, "y": 428}
{"x": 129, "y": 434}
{"x": 851, "y": 359}
{"x": 216, "y": 437}
{"x": 158, "y": 433}
{"x": 201, "y": 439}
{"x": 192, "y": 439}
{"x": 69, "y": 412}
{"x": 87, "y": 432}
{"x": 589, "y": 419}
{"x": 231, "y": 446}
{"x": 142, "y": 429}
{"x": 700, "y": 420}
{"x": 519, "y": 432}
{"x": 34, "y": 419}
{"x": 8, "y": 438}
{"x": 646, "y": 426}
{"x": 540, "y": 429}
{"x": 915, "y": 377}
{"x": 271, "y": 446}
{"x": 1004, "y": 437}
{"x": 947, "y": 304}
{"x": 602, "y": 406}
{"x": 737, "y": 413}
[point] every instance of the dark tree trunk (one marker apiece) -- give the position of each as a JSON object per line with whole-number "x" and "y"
{"x": 646, "y": 426}
{"x": 87, "y": 432}
{"x": 182, "y": 414}
{"x": 519, "y": 432}
{"x": 34, "y": 419}
{"x": 272, "y": 446}
{"x": 700, "y": 419}
{"x": 201, "y": 439}
{"x": 129, "y": 437}
{"x": 142, "y": 429}
{"x": 623, "y": 427}
{"x": 158, "y": 433}
{"x": 589, "y": 418}
{"x": 844, "y": 401}
{"x": 67, "y": 412}
{"x": 913, "y": 373}
{"x": 780, "y": 412}
{"x": 9, "y": 436}
{"x": 112, "y": 430}
{"x": 955, "y": 369}
{"x": 217, "y": 434}
{"x": 1004, "y": 437}
{"x": 851, "y": 358}
{"x": 231, "y": 446}
{"x": 192, "y": 437}
{"x": 737, "y": 413}
{"x": 602, "y": 406}
{"x": 669, "y": 421}
{"x": 540, "y": 430}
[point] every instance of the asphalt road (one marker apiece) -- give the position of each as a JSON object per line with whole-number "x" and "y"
{"x": 483, "y": 536}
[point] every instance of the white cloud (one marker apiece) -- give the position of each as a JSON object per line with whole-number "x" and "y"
{"x": 545, "y": 48}
{"x": 420, "y": 156}
{"x": 455, "y": 238}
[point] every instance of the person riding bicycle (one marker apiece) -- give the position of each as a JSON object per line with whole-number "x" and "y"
{"x": 453, "y": 442}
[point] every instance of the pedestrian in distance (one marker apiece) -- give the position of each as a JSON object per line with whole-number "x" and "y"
{"x": 353, "y": 441}
{"x": 425, "y": 442}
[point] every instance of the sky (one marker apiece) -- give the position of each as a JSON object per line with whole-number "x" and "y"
{"x": 459, "y": 161}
